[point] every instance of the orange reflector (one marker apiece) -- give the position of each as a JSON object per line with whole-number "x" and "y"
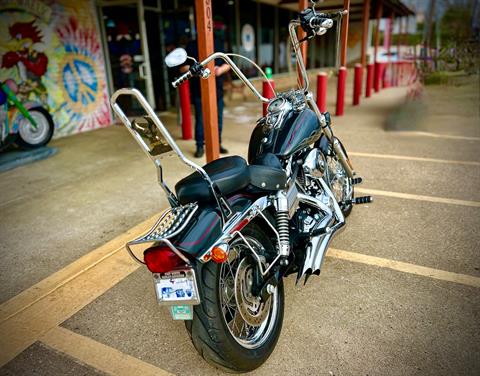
{"x": 219, "y": 255}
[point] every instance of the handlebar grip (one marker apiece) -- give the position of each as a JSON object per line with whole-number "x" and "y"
{"x": 319, "y": 21}
{"x": 181, "y": 79}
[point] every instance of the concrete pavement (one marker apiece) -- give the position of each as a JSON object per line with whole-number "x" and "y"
{"x": 353, "y": 319}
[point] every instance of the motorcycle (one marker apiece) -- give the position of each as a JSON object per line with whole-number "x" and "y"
{"x": 29, "y": 125}
{"x": 234, "y": 230}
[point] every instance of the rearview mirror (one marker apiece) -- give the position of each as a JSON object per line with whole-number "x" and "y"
{"x": 175, "y": 58}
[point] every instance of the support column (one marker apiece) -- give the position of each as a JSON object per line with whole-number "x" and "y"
{"x": 302, "y": 4}
{"x": 344, "y": 38}
{"x": 204, "y": 17}
{"x": 342, "y": 73}
{"x": 377, "y": 68}
{"x": 365, "y": 23}
{"x": 388, "y": 70}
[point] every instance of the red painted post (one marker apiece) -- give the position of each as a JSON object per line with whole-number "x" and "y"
{"x": 184, "y": 93}
{"x": 268, "y": 93}
{"x": 397, "y": 73}
{"x": 357, "y": 84}
{"x": 342, "y": 79}
{"x": 386, "y": 75}
{"x": 377, "y": 75}
{"x": 322, "y": 91}
{"x": 368, "y": 88}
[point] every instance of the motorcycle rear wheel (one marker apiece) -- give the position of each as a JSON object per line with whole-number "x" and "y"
{"x": 220, "y": 342}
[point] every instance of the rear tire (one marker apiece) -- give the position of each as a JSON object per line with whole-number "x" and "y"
{"x": 30, "y": 138}
{"x": 209, "y": 332}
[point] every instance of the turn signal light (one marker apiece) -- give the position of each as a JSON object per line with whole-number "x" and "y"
{"x": 161, "y": 259}
{"x": 219, "y": 255}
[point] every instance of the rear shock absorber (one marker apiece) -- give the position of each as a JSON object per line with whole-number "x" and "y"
{"x": 281, "y": 205}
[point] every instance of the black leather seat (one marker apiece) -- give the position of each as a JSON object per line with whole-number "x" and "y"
{"x": 231, "y": 174}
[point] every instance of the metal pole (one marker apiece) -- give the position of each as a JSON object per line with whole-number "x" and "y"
{"x": 302, "y": 4}
{"x": 146, "y": 55}
{"x": 377, "y": 66}
{"x": 204, "y": 16}
{"x": 343, "y": 50}
{"x": 276, "y": 42}
{"x": 377, "y": 30}
{"x": 365, "y": 22}
{"x": 166, "y": 86}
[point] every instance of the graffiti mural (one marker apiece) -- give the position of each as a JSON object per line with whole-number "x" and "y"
{"x": 51, "y": 50}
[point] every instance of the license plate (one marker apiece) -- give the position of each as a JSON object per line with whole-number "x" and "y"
{"x": 178, "y": 287}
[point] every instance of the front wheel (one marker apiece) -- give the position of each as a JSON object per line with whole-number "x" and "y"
{"x": 232, "y": 329}
{"x": 30, "y": 137}
{"x": 340, "y": 183}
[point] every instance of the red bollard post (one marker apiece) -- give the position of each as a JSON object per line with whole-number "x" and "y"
{"x": 184, "y": 93}
{"x": 322, "y": 91}
{"x": 377, "y": 75}
{"x": 342, "y": 80}
{"x": 267, "y": 93}
{"x": 401, "y": 74}
{"x": 385, "y": 76}
{"x": 368, "y": 88}
{"x": 357, "y": 84}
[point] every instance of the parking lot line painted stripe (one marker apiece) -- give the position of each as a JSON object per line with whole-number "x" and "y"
{"x": 408, "y": 158}
{"x": 409, "y": 196}
{"x": 25, "y": 327}
{"x": 405, "y": 267}
{"x": 437, "y": 135}
{"x": 45, "y": 287}
{"x": 98, "y": 355}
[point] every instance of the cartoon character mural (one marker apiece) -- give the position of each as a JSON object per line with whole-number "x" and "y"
{"x": 31, "y": 63}
{"x": 51, "y": 50}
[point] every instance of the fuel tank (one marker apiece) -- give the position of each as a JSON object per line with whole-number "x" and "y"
{"x": 297, "y": 130}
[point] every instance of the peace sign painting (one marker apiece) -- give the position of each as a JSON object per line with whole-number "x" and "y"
{"x": 52, "y": 52}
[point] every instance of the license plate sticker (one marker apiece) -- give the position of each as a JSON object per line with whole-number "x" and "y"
{"x": 176, "y": 288}
{"x": 182, "y": 312}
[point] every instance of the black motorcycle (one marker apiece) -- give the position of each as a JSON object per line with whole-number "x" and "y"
{"x": 235, "y": 229}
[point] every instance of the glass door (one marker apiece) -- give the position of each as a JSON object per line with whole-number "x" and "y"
{"x": 124, "y": 30}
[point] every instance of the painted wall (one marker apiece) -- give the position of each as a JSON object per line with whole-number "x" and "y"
{"x": 50, "y": 51}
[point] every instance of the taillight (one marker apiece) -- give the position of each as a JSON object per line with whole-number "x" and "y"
{"x": 161, "y": 259}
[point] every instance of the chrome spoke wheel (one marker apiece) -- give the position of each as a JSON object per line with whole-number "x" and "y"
{"x": 338, "y": 180}
{"x": 248, "y": 320}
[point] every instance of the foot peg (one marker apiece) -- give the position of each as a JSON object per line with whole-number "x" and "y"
{"x": 356, "y": 181}
{"x": 362, "y": 200}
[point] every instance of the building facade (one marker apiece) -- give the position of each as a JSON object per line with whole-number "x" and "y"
{"x": 71, "y": 55}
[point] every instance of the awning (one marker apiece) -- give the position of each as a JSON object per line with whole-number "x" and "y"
{"x": 397, "y": 7}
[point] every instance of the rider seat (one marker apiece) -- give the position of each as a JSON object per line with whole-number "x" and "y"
{"x": 229, "y": 173}
{"x": 232, "y": 174}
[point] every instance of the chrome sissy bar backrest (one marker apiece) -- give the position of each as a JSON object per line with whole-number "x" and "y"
{"x": 156, "y": 142}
